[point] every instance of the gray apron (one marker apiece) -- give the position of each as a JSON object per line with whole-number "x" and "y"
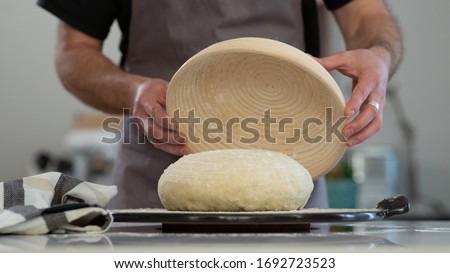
{"x": 163, "y": 35}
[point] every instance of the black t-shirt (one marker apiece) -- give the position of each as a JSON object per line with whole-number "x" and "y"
{"x": 95, "y": 17}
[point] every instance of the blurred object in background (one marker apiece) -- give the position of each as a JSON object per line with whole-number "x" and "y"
{"x": 364, "y": 176}
{"x": 423, "y": 206}
{"x": 375, "y": 170}
{"x": 342, "y": 189}
{"x": 45, "y": 161}
{"x": 92, "y": 158}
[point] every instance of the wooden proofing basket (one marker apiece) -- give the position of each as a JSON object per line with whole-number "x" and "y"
{"x": 260, "y": 93}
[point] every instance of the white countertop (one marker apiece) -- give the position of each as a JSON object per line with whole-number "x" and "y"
{"x": 373, "y": 236}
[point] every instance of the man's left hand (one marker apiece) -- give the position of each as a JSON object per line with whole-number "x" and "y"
{"x": 370, "y": 73}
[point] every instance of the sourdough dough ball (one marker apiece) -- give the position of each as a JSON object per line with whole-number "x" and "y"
{"x": 235, "y": 180}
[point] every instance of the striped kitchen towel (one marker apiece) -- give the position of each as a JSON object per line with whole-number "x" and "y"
{"x": 54, "y": 203}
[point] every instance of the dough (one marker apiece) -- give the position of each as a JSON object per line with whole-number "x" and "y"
{"x": 235, "y": 180}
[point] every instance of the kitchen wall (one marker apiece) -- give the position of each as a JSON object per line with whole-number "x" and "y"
{"x": 36, "y": 113}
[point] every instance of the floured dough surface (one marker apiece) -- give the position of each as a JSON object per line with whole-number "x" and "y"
{"x": 235, "y": 180}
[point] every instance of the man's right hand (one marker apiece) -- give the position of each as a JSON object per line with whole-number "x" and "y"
{"x": 149, "y": 110}
{"x": 97, "y": 81}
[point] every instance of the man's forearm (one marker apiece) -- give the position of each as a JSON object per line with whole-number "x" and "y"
{"x": 383, "y": 33}
{"x": 374, "y": 28}
{"x": 92, "y": 77}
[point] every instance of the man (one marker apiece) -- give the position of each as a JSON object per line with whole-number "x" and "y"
{"x": 160, "y": 35}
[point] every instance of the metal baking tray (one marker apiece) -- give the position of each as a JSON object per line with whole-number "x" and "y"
{"x": 386, "y": 208}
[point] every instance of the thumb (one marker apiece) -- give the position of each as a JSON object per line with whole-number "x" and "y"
{"x": 331, "y": 62}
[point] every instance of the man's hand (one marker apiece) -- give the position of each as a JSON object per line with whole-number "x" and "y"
{"x": 374, "y": 50}
{"x": 149, "y": 110}
{"x": 98, "y": 82}
{"x": 370, "y": 74}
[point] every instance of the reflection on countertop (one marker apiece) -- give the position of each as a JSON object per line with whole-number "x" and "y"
{"x": 378, "y": 236}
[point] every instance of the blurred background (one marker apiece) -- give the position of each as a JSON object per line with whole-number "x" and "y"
{"x": 43, "y": 127}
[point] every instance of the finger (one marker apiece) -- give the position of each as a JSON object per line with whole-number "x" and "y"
{"x": 165, "y": 135}
{"x": 159, "y": 84}
{"x": 141, "y": 122}
{"x": 342, "y": 62}
{"x": 368, "y": 131}
{"x": 367, "y": 114}
{"x": 172, "y": 149}
{"x": 155, "y": 101}
{"x": 161, "y": 91}
{"x": 363, "y": 87}
{"x": 159, "y": 116}
{"x": 332, "y": 62}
